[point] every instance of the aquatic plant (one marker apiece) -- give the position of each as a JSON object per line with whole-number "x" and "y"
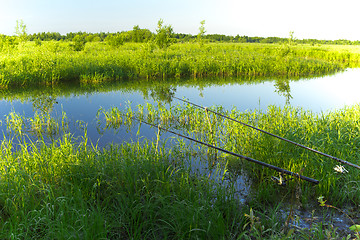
{"x": 39, "y": 125}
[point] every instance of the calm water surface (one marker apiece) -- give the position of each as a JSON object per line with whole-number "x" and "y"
{"x": 319, "y": 94}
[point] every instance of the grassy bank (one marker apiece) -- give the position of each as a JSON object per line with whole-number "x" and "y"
{"x": 67, "y": 188}
{"x": 55, "y": 62}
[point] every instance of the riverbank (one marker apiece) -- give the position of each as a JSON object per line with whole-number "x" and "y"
{"x": 69, "y": 188}
{"x": 54, "y": 62}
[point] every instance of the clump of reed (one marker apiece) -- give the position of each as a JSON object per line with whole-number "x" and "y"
{"x": 39, "y": 125}
{"x": 52, "y": 63}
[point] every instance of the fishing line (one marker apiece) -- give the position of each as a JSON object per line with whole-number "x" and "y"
{"x": 273, "y": 135}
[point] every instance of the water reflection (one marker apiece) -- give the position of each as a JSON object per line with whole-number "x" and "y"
{"x": 81, "y": 102}
{"x": 160, "y": 93}
{"x": 43, "y": 103}
{"x": 282, "y": 87}
{"x": 218, "y": 89}
{"x": 158, "y": 90}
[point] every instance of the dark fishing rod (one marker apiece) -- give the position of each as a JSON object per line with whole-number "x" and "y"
{"x": 271, "y": 134}
{"x": 284, "y": 171}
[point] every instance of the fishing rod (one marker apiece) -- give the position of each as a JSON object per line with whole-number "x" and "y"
{"x": 283, "y": 171}
{"x": 271, "y": 134}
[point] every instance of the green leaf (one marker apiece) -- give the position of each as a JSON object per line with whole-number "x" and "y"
{"x": 355, "y": 228}
{"x": 291, "y": 231}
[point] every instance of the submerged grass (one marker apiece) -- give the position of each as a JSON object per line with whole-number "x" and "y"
{"x": 336, "y": 133}
{"x": 41, "y": 124}
{"x": 52, "y": 62}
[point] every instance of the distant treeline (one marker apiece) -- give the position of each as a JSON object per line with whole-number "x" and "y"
{"x": 145, "y": 35}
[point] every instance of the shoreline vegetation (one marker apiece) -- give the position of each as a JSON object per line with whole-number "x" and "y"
{"x": 70, "y": 188}
{"x": 50, "y": 58}
{"x": 55, "y": 62}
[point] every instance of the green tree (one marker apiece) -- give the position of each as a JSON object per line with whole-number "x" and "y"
{"x": 164, "y": 35}
{"x": 115, "y": 40}
{"x": 90, "y": 38}
{"x": 140, "y": 35}
{"x": 201, "y": 34}
{"x": 291, "y": 39}
{"x": 78, "y": 43}
{"x": 20, "y": 30}
{"x": 38, "y": 42}
{"x": 136, "y": 36}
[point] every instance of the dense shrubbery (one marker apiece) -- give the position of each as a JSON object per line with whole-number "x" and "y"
{"x": 115, "y": 40}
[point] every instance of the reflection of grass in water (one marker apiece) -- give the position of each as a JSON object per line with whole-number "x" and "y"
{"x": 335, "y": 133}
{"x": 44, "y": 124}
{"x": 159, "y": 90}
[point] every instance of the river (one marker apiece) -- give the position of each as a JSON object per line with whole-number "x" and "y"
{"x": 82, "y": 102}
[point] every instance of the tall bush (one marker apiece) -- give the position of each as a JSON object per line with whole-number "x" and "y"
{"x": 164, "y": 35}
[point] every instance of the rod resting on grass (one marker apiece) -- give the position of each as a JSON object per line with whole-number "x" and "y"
{"x": 284, "y": 171}
{"x": 281, "y": 138}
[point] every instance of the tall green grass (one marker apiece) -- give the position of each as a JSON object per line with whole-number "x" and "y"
{"x": 70, "y": 189}
{"x": 55, "y": 62}
{"x": 336, "y": 133}
{"x": 40, "y": 125}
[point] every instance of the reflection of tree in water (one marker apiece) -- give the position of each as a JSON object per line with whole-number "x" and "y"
{"x": 283, "y": 89}
{"x": 43, "y": 103}
{"x": 162, "y": 93}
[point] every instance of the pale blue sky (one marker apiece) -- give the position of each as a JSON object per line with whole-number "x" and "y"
{"x": 321, "y": 19}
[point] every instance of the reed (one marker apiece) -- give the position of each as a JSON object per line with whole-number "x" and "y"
{"x": 39, "y": 125}
{"x": 14, "y": 123}
{"x": 52, "y": 63}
